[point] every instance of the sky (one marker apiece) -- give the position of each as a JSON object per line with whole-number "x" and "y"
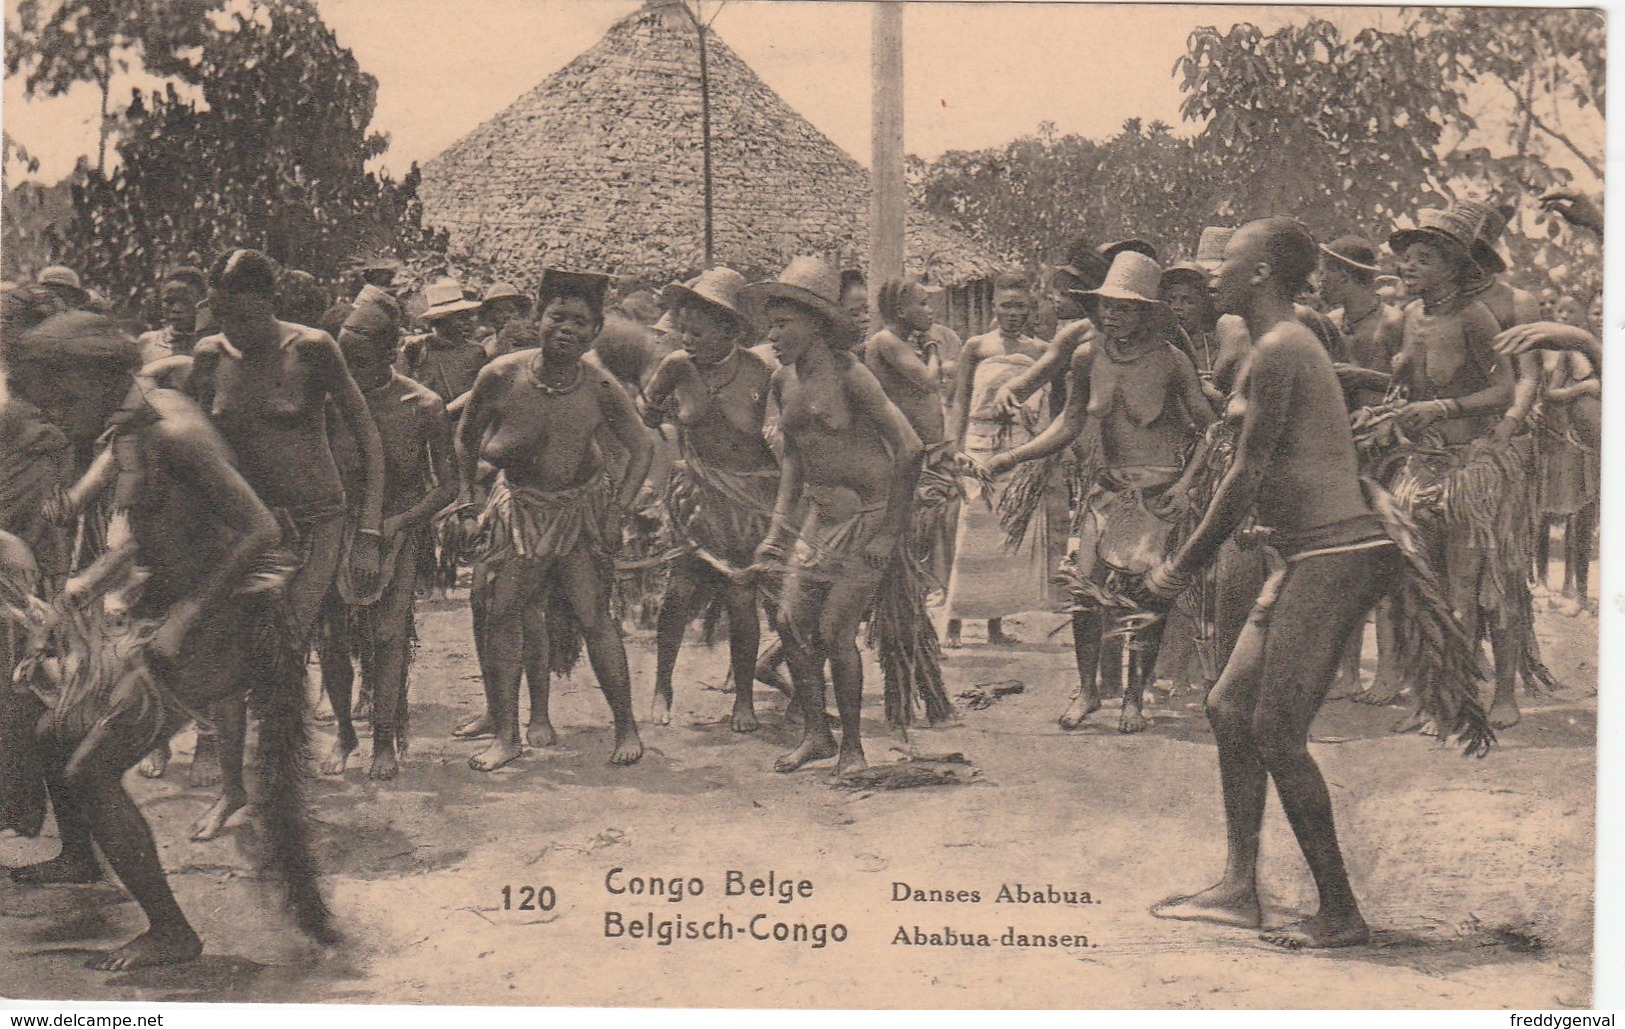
{"x": 976, "y": 74}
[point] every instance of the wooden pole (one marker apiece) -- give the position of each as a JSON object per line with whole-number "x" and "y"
{"x": 887, "y": 224}
{"x": 705, "y": 140}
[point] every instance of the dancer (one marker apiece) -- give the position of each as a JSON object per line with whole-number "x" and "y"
{"x": 1469, "y": 499}
{"x": 549, "y": 522}
{"x": 854, "y": 458}
{"x": 1151, "y": 416}
{"x": 1295, "y": 463}
{"x": 720, "y": 497}
{"x": 377, "y": 624}
{"x": 207, "y": 627}
{"x": 268, "y": 384}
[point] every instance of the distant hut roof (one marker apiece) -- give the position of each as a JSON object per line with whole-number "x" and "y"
{"x": 600, "y": 167}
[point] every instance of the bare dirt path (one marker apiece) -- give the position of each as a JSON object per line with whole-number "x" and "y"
{"x": 1476, "y": 874}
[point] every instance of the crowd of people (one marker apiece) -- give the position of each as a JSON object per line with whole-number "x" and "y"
{"x": 1220, "y": 469}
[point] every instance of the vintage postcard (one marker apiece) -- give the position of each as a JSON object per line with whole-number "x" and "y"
{"x": 683, "y": 503}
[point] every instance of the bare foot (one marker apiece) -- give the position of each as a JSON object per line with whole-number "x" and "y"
{"x": 1345, "y": 687}
{"x": 155, "y": 764}
{"x": 205, "y": 762}
{"x": 744, "y": 716}
{"x": 499, "y": 753}
{"x": 1131, "y": 720}
{"x": 660, "y": 710}
{"x": 628, "y": 746}
{"x": 1411, "y": 722}
{"x": 59, "y": 871}
{"x": 540, "y": 733}
{"x": 474, "y": 728}
{"x": 1002, "y": 639}
{"x": 171, "y": 947}
{"x": 385, "y": 765}
{"x": 1222, "y": 904}
{"x": 213, "y": 822}
{"x": 851, "y": 759}
{"x": 337, "y": 758}
{"x": 1380, "y": 692}
{"x": 1319, "y": 933}
{"x": 1083, "y": 705}
{"x": 814, "y": 747}
{"x": 1504, "y": 711}
{"x": 951, "y": 642}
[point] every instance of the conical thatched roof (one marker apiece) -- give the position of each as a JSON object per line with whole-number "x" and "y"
{"x": 600, "y": 167}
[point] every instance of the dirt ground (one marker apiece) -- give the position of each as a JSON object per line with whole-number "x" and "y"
{"x": 1477, "y": 875}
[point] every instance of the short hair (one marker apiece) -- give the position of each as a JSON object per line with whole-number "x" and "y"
{"x": 187, "y": 274}
{"x": 893, "y": 294}
{"x": 245, "y": 271}
{"x": 1291, "y": 252}
{"x": 1011, "y": 280}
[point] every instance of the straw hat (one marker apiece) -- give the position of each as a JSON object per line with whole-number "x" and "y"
{"x": 810, "y": 283}
{"x": 444, "y": 297}
{"x": 61, "y": 277}
{"x": 1210, "y": 247}
{"x": 1188, "y": 271}
{"x": 1133, "y": 276}
{"x": 718, "y": 287}
{"x": 1110, "y": 251}
{"x": 375, "y": 315}
{"x": 503, "y": 291}
{"x": 1355, "y": 252}
{"x": 1454, "y": 228}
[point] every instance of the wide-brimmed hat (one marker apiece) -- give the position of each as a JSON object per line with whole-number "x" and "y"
{"x": 375, "y": 315}
{"x": 811, "y": 283}
{"x": 592, "y": 287}
{"x": 1492, "y": 221}
{"x": 503, "y": 291}
{"x": 1210, "y": 246}
{"x": 60, "y": 276}
{"x": 445, "y": 296}
{"x": 1355, "y": 252}
{"x": 1188, "y": 270}
{"x": 1137, "y": 246}
{"x": 1450, "y": 226}
{"x": 718, "y": 287}
{"x": 1132, "y": 276}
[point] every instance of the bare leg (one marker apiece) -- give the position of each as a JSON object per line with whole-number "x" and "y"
{"x": 587, "y": 586}
{"x": 1543, "y": 549}
{"x": 996, "y": 634}
{"x": 338, "y": 679}
{"x": 950, "y": 638}
{"x": 1141, "y": 671}
{"x": 843, "y": 608}
{"x": 502, "y": 660}
{"x": 1234, "y": 899}
{"x": 126, "y": 841}
{"x": 1506, "y": 644}
{"x": 77, "y": 861}
{"x": 1086, "y": 650}
{"x": 744, "y": 637}
{"x": 538, "y": 676}
{"x": 481, "y": 724}
{"x": 231, "y": 717}
{"x": 1578, "y": 549}
{"x": 683, "y": 594}
{"x": 798, "y": 621}
{"x": 1322, "y": 596}
{"x": 391, "y": 643}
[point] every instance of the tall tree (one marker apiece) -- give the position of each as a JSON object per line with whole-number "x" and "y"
{"x": 273, "y": 155}
{"x": 58, "y": 44}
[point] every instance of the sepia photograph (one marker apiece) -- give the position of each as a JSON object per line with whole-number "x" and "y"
{"x": 782, "y": 504}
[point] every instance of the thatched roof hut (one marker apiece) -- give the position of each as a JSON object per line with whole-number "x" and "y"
{"x": 600, "y": 167}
